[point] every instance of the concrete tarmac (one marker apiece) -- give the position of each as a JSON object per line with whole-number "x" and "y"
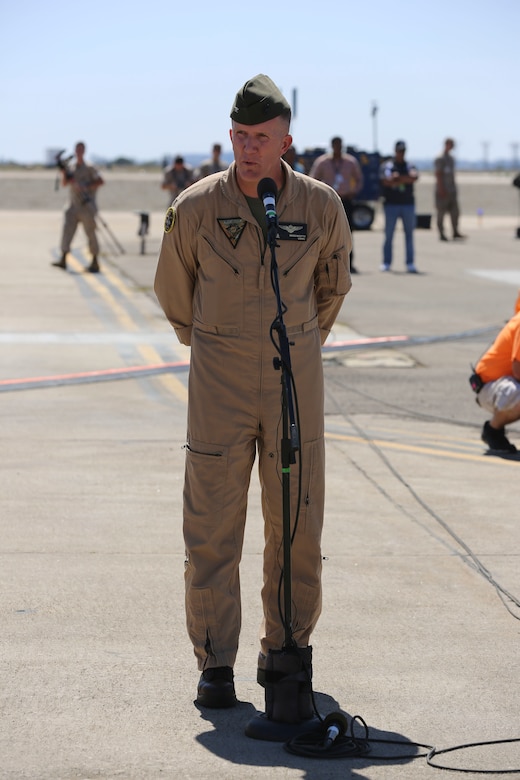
{"x": 420, "y": 627}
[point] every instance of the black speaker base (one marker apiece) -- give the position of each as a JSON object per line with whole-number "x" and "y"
{"x": 260, "y": 727}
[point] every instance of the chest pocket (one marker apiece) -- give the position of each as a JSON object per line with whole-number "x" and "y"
{"x": 218, "y": 305}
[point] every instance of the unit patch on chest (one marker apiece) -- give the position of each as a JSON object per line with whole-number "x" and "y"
{"x": 233, "y": 227}
{"x": 292, "y": 231}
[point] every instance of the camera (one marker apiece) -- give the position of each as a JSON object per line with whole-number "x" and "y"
{"x": 476, "y": 383}
{"x": 63, "y": 164}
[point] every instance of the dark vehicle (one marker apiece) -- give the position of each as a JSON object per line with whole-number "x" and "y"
{"x": 363, "y": 213}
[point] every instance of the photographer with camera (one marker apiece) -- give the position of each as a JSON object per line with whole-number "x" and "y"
{"x": 83, "y": 180}
{"x": 497, "y": 383}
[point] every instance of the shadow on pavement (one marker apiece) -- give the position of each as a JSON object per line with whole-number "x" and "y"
{"x": 227, "y": 740}
{"x": 503, "y": 455}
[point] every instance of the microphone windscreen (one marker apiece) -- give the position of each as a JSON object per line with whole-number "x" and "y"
{"x": 267, "y": 187}
{"x": 338, "y": 719}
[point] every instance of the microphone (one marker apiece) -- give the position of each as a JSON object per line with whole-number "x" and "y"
{"x": 267, "y": 192}
{"x": 336, "y": 725}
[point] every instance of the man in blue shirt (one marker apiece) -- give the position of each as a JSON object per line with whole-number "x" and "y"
{"x": 397, "y": 182}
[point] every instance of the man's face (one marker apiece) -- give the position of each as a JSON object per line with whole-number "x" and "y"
{"x": 257, "y": 150}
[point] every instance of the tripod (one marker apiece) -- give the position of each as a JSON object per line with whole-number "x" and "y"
{"x": 109, "y": 237}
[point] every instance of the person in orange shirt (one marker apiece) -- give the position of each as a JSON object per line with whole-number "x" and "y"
{"x": 499, "y": 371}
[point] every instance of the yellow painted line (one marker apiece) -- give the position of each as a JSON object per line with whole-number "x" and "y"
{"x": 171, "y": 383}
{"x": 420, "y": 450}
{"x": 121, "y": 314}
{"x": 95, "y": 282}
{"x": 432, "y": 437}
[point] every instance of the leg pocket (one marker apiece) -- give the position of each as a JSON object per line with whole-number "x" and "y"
{"x": 313, "y": 488}
{"x": 205, "y": 482}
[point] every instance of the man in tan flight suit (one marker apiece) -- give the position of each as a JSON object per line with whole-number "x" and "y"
{"x": 213, "y": 164}
{"x": 177, "y": 177}
{"x": 213, "y": 283}
{"x": 446, "y": 198}
{"x": 84, "y": 181}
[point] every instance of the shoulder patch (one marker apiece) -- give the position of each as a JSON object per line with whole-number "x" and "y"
{"x": 169, "y": 220}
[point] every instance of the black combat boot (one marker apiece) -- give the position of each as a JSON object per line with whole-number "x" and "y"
{"x": 94, "y": 265}
{"x": 62, "y": 262}
{"x": 496, "y": 439}
{"x": 216, "y": 688}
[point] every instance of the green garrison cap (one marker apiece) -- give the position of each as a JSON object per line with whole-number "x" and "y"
{"x": 258, "y": 101}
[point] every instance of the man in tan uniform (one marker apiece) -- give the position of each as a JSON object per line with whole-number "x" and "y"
{"x": 83, "y": 180}
{"x": 177, "y": 177}
{"x": 344, "y": 174}
{"x": 446, "y": 198}
{"x": 213, "y": 282}
{"x": 213, "y": 164}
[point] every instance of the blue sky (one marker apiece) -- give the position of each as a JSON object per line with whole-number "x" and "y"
{"x": 149, "y": 79}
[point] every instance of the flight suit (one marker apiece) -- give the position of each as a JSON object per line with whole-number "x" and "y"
{"x": 447, "y": 203}
{"x": 213, "y": 282}
{"x": 82, "y": 209}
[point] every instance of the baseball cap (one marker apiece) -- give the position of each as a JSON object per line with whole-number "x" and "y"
{"x": 400, "y": 146}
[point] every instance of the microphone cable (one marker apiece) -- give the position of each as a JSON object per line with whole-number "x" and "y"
{"x": 291, "y": 380}
{"x": 344, "y": 743}
{"x": 321, "y": 743}
{"x": 291, "y": 397}
{"x": 347, "y": 744}
{"x": 465, "y": 554}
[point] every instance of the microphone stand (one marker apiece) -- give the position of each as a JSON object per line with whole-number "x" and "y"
{"x": 290, "y": 443}
{"x": 285, "y": 664}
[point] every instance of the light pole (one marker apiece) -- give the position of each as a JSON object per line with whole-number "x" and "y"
{"x": 374, "y": 125}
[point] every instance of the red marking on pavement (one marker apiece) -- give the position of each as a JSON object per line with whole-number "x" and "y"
{"x": 85, "y": 376}
{"x": 365, "y": 342}
{"x": 128, "y": 372}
